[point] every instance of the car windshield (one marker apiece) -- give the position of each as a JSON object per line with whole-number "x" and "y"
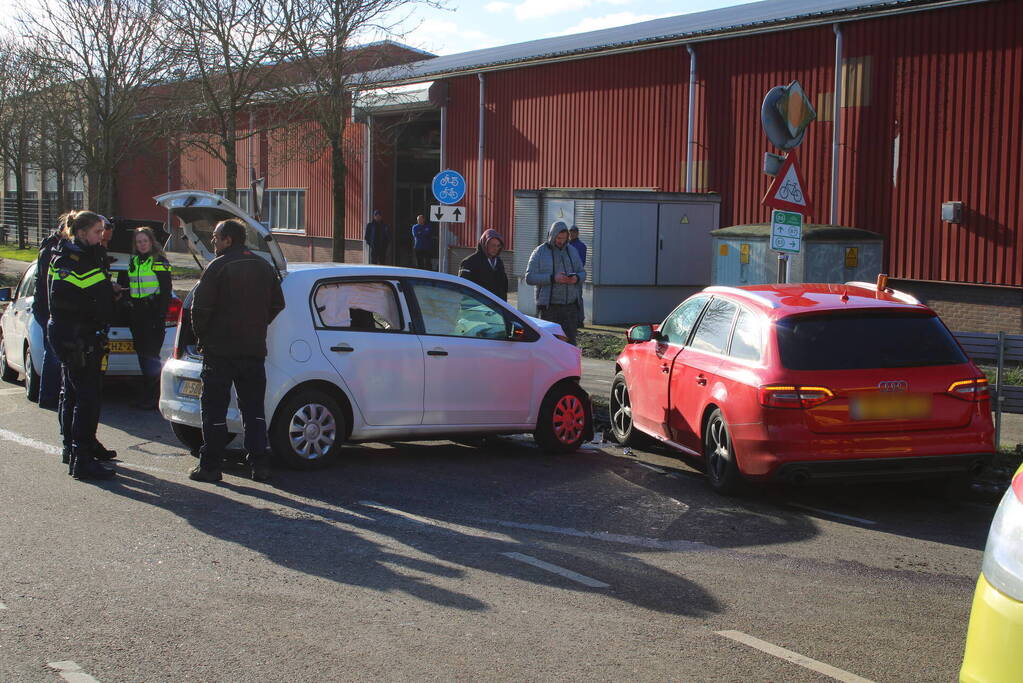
{"x": 861, "y": 340}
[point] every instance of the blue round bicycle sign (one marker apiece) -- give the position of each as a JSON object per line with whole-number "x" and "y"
{"x": 448, "y": 187}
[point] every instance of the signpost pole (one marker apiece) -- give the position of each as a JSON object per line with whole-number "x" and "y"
{"x": 783, "y": 268}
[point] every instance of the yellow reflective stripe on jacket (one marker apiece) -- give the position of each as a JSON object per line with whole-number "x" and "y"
{"x": 82, "y": 280}
{"x": 142, "y": 279}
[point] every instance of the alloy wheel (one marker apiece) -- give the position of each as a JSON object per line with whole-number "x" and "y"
{"x": 312, "y": 431}
{"x": 621, "y": 409}
{"x": 569, "y": 419}
{"x": 718, "y": 452}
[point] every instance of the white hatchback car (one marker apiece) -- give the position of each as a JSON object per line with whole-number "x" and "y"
{"x": 21, "y": 337}
{"x": 378, "y": 353}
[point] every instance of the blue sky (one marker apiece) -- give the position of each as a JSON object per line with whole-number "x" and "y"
{"x": 475, "y": 24}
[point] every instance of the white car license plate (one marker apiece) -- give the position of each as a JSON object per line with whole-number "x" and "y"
{"x": 191, "y": 387}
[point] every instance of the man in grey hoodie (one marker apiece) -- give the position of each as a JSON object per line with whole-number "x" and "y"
{"x": 556, "y": 270}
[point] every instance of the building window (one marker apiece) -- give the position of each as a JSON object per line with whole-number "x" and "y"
{"x": 284, "y": 210}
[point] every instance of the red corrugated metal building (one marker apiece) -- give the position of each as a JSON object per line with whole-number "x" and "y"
{"x": 931, "y": 111}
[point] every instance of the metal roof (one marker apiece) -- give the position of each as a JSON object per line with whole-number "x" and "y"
{"x": 754, "y": 17}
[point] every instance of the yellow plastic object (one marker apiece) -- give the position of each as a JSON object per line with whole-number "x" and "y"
{"x": 994, "y": 643}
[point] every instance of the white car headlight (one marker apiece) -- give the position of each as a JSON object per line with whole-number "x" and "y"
{"x": 1003, "y": 556}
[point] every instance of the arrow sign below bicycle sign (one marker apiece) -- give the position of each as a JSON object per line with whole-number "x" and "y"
{"x": 448, "y": 187}
{"x": 447, "y": 214}
{"x": 788, "y": 189}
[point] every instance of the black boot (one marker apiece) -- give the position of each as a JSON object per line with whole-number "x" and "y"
{"x": 65, "y": 455}
{"x": 101, "y": 452}
{"x": 84, "y": 466}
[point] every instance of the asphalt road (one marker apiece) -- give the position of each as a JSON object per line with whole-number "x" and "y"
{"x": 452, "y": 562}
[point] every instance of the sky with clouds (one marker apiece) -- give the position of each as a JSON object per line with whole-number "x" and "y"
{"x": 474, "y": 24}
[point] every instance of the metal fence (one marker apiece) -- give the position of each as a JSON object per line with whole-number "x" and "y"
{"x": 39, "y": 216}
{"x": 1000, "y": 348}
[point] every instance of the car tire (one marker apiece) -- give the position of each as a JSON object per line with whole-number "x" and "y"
{"x": 308, "y": 430}
{"x": 31, "y": 378}
{"x": 7, "y": 373}
{"x": 620, "y": 411}
{"x": 189, "y": 436}
{"x": 561, "y": 424}
{"x": 719, "y": 456}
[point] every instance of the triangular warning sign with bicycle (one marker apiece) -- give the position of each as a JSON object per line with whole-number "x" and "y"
{"x": 788, "y": 190}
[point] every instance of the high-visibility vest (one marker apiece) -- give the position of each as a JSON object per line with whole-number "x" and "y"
{"x": 142, "y": 280}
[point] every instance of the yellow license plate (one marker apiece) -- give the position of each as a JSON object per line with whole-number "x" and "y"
{"x": 122, "y": 347}
{"x": 190, "y": 387}
{"x": 890, "y": 407}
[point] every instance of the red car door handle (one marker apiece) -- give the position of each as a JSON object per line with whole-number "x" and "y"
{"x": 665, "y": 369}
{"x": 701, "y": 380}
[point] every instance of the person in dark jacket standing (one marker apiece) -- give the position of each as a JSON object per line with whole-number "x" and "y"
{"x": 485, "y": 267}
{"x": 81, "y": 299}
{"x": 49, "y": 374}
{"x": 378, "y": 238}
{"x": 422, "y": 242}
{"x": 236, "y": 299}
{"x": 148, "y": 283}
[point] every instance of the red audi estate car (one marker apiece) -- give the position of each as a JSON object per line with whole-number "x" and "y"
{"x": 805, "y": 382}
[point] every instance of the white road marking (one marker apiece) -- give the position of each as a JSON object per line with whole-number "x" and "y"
{"x": 3, "y": 606}
{"x": 794, "y": 657}
{"x": 832, "y": 514}
{"x": 652, "y": 467}
{"x": 11, "y": 391}
{"x": 31, "y": 443}
{"x": 71, "y": 672}
{"x": 439, "y": 524}
{"x": 639, "y": 541}
{"x": 555, "y": 569}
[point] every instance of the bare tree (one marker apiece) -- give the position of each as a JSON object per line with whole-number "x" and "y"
{"x": 106, "y": 54}
{"x": 324, "y": 35}
{"x": 18, "y": 121}
{"x": 231, "y": 51}
{"x": 59, "y": 151}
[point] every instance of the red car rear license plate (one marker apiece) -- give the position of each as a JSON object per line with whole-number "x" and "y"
{"x": 890, "y": 407}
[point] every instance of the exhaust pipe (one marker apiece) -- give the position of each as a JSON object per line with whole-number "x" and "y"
{"x": 799, "y": 477}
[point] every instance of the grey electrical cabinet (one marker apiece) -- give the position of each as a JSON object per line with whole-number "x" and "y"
{"x": 646, "y": 250}
{"x": 830, "y": 253}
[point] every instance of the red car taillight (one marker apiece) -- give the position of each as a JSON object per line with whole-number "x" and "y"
{"x": 173, "y": 312}
{"x": 788, "y": 396}
{"x": 974, "y": 389}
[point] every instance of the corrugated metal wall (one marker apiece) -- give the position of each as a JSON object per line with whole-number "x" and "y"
{"x": 615, "y": 122}
{"x": 932, "y": 111}
{"x": 942, "y": 120}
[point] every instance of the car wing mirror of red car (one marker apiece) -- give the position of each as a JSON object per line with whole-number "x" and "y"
{"x": 638, "y": 334}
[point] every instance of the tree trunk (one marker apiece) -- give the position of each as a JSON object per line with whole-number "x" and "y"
{"x": 231, "y": 162}
{"x": 338, "y": 171}
{"x": 19, "y": 186}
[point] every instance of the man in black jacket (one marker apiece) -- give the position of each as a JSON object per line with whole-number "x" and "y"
{"x": 485, "y": 267}
{"x": 237, "y": 298}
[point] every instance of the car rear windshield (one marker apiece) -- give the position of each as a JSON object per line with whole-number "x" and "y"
{"x": 850, "y": 341}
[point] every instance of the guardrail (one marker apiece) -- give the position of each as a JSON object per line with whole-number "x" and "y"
{"x": 1000, "y": 348}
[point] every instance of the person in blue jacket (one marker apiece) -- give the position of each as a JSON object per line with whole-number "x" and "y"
{"x": 49, "y": 374}
{"x": 422, "y": 242}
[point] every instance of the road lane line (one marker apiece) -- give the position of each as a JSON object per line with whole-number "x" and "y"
{"x": 794, "y": 657}
{"x": 439, "y": 524}
{"x": 651, "y": 467}
{"x": 31, "y": 443}
{"x": 11, "y": 391}
{"x": 832, "y": 514}
{"x": 639, "y": 541}
{"x": 3, "y": 606}
{"x": 71, "y": 672}
{"x": 555, "y": 569}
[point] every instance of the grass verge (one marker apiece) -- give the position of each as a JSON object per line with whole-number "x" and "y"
{"x": 602, "y": 345}
{"x": 16, "y": 254}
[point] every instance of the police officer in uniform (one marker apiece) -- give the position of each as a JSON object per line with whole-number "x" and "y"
{"x": 81, "y": 306}
{"x": 148, "y": 283}
{"x": 49, "y": 374}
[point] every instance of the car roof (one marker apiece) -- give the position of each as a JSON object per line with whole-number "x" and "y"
{"x": 331, "y": 269}
{"x": 780, "y": 301}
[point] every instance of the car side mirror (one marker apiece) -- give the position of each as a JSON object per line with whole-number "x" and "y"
{"x": 638, "y": 334}
{"x": 516, "y": 331}
{"x": 5, "y": 293}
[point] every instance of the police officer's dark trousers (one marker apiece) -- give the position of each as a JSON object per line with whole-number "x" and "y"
{"x": 80, "y": 405}
{"x": 147, "y": 331}
{"x": 248, "y": 375}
